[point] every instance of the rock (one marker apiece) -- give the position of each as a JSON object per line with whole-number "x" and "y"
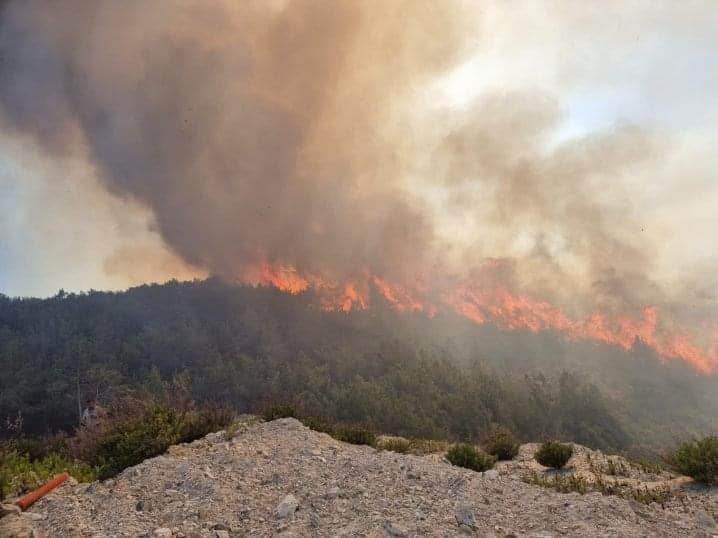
{"x": 359, "y": 492}
{"x": 243, "y": 513}
{"x": 392, "y": 529}
{"x": 289, "y": 423}
{"x": 464, "y": 515}
{"x": 9, "y": 509}
{"x": 333, "y": 493}
{"x": 705, "y": 520}
{"x": 287, "y": 507}
{"x": 33, "y": 516}
{"x": 215, "y": 437}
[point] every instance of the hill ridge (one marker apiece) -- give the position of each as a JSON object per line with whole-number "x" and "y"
{"x": 281, "y": 478}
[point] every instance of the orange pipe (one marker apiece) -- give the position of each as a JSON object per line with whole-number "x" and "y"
{"x": 25, "y": 502}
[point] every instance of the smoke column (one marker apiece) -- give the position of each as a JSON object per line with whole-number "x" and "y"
{"x": 294, "y": 143}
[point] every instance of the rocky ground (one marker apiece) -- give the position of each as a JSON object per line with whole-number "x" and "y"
{"x": 280, "y": 478}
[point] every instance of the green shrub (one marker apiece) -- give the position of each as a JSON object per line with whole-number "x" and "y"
{"x": 699, "y": 460}
{"x": 502, "y": 444}
{"x": 4, "y": 483}
{"x": 157, "y": 427}
{"x": 554, "y": 454}
{"x": 36, "y": 448}
{"x": 18, "y": 473}
{"x": 356, "y": 435}
{"x": 128, "y": 443}
{"x": 318, "y": 424}
{"x": 464, "y": 455}
{"x": 273, "y": 412}
{"x": 195, "y": 424}
{"x": 394, "y": 444}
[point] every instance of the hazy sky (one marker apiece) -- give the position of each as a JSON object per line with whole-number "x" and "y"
{"x": 601, "y": 67}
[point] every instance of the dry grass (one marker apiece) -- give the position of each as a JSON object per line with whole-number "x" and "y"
{"x": 567, "y": 483}
{"x": 422, "y": 447}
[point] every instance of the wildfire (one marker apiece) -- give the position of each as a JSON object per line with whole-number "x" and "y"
{"x": 401, "y": 298}
{"x": 498, "y": 306}
{"x": 511, "y": 311}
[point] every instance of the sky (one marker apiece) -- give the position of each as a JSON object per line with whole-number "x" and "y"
{"x": 650, "y": 64}
{"x": 609, "y": 108}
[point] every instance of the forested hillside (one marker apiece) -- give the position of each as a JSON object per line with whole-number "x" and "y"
{"x": 401, "y": 373}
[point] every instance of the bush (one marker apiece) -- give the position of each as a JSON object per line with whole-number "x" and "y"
{"x": 356, "y": 435}
{"x": 318, "y": 424}
{"x": 4, "y": 483}
{"x": 130, "y": 441}
{"x": 195, "y": 424}
{"x": 273, "y": 412}
{"x": 502, "y": 444}
{"x": 463, "y": 455}
{"x": 554, "y": 454}
{"x": 19, "y": 473}
{"x": 698, "y": 459}
{"x": 39, "y": 448}
{"x": 394, "y": 444}
{"x": 423, "y": 447}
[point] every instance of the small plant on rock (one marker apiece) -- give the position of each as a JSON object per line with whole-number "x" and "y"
{"x": 356, "y": 435}
{"x": 554, "y": 454}
{"x": 20, "y": 473}
{"x": 276, "y": 411}
{"x": 502, "y": 444}
{"x": 395, "y": 444}
{"x": 318, "y": 424}
{"x": 699, "y": 460}
{"x": 465, "y": 455}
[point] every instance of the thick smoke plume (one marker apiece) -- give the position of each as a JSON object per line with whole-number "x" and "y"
{"x": 294, "y": 143}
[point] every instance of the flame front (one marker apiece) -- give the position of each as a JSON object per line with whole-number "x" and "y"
{"x": 499, "y": 306}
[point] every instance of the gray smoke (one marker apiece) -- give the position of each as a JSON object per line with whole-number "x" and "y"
{"x": 251, "y": 129}
{"x": 295, "y": 132}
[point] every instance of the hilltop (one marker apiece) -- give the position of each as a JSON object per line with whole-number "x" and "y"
{"x": 281, "y": 478}
{"x": 439, "y": 377}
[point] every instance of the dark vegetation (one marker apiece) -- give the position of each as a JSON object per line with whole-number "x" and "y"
{"x": 554, "y": 454}
{"x": 698, "y": 459}
{"x": 275, "y": 411}
{"x": 135, "y": 427}
{"x": 240, "y": 347}
{"x": 502, "y": 444}
{"x": 356, "y": 435}
{"x": 150, "y": 430}
{"x": 465, "y": 455}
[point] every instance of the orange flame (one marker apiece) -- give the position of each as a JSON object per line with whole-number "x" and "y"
{"x": 401, "y": 298}
{"x": 498, "y": 306}
{"x": 521, "y": 312}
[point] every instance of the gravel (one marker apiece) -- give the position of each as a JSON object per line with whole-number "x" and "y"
{"x": 281, "y": 478}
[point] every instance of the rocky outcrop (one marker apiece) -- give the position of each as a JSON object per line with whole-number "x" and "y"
{"x": 281, "y": 478}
